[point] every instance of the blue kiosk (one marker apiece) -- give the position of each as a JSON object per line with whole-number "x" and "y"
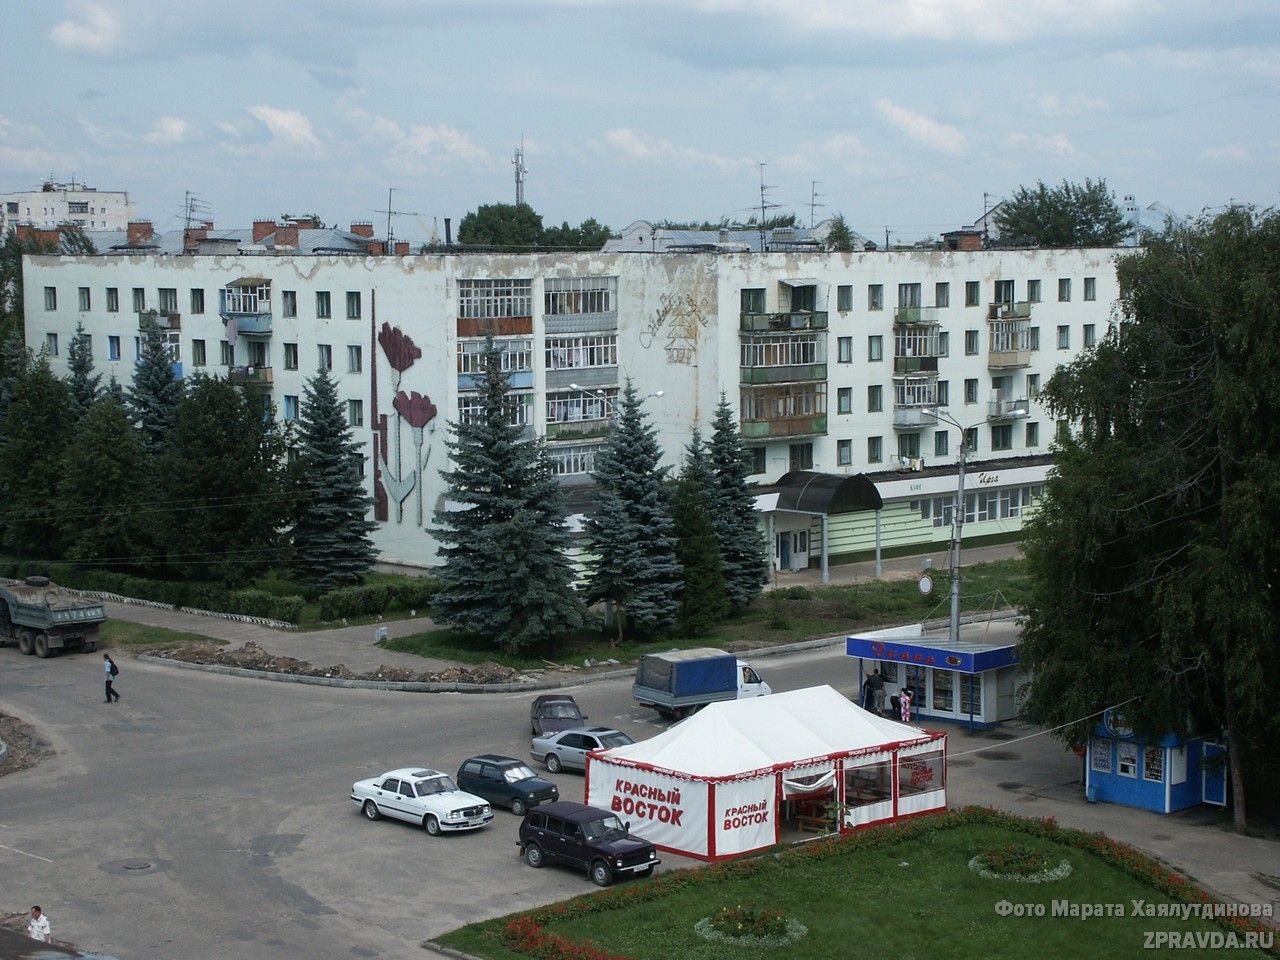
{"x": 1165, "y": 775}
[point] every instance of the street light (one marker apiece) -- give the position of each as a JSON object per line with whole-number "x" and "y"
{"x": 604, "y": 396}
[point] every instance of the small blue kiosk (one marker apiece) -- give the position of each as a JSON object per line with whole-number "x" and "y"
{"x": 1165, "y": 775}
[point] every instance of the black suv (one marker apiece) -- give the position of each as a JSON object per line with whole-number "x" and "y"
{"x": 505, "y": 782}
{"x": 585, "y": 837}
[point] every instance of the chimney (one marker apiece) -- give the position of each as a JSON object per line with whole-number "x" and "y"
{"x": 139, "y": 232}
{"x": 377, "y": 248}
{"x": 362, "y": 228}
{"x": 51, "y": 236}
{"x": 306, "y": 223}
{"x": 963, "y": 240}
{"x": 263, "y": 229}
{"x": 725, "y": 235}
{"x": 448, "y": 233}
{"x": 192, "y": 236}
{"x": 402, "y": 248}
{"x": 286, "y": 235}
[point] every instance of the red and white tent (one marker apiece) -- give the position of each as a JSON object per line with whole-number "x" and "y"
{"x": 714, "y": 786}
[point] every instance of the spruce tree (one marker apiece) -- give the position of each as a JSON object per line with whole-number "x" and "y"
{"x": 16, "y": 359}
{"x": 154, "y": 393}
{"x": 103, "y": 493}
{"x": 37, "y": 428}
{"x": 85, "y": 384}
{"x": 702, "y": 598}
{"x": 331, "y": 542}
{"x": 737, "y": 524}
{"x": 505, "y": 565}
{"x": 630, "y": 533}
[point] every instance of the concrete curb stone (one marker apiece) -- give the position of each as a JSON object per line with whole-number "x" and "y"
{"x": 4, "y": 752}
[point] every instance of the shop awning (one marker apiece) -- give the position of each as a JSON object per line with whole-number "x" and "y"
{"x": 974, "y": 652}
{"x": 807, "y": 491}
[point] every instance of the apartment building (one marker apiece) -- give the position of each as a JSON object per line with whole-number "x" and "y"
{"x": 833, "y": 362}
{"x": 72, "y": 203}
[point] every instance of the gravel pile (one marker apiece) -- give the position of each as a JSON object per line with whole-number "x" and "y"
{"x": 26, "y": 749}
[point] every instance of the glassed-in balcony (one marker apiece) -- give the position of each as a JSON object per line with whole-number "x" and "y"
{"x": 907, "y": 315}
{"x": 166, "y": 319}
{"x": 250, "y": 376}
{"x": 1009, "y": 344}
{"x": 791, "y": 373}
{"x": 782, "y": 322}
{"x": 777, "y": 428}
{"x": 247, "y": 302}
{"x": 1009, "y": 310}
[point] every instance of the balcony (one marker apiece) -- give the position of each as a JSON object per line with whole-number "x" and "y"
{"x": 915, "y": 364}
{"x": 167, "y": 319}
{"x": 777, "y": 428}
{"x": 795, "y": 373}
{"x": 784, "y": 322}
{"x": 250, "y": 376}
{"x": 1008, "y": 409}
{"x": 516, "y": 380}
{"x": 1009, "y": 310}
{"x": 913, "y": 315}
{"x": 913, "y": 417}
{"x": 248, "y": 305}
{"x": 498, "y": 326}
{"x": 577, "y": 429}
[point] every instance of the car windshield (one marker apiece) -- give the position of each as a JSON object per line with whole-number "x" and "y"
{"x": 560, "y": 711}
{"x": 609, "y": 740}
{"x": 606, "y": 828}
{"x": 436, "y": 785}
{"x": 516, "y": 774}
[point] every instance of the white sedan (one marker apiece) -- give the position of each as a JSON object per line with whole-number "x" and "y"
{"x": 426, "y": 797}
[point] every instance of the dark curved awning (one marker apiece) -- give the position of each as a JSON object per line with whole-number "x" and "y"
{"x": 830, "y": 493}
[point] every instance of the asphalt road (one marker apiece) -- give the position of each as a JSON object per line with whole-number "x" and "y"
{"x": 206, "y": 815}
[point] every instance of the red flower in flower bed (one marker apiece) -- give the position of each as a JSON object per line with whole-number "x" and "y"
{"x": 418, "y": 410}
{"x": 399, "y": 347}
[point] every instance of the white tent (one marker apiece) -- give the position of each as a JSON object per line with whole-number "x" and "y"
{"x": 716, "y": 784}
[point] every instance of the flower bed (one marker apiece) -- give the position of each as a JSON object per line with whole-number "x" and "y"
{"x": 1020, "y": 863}
{"x": 750, "y": 926}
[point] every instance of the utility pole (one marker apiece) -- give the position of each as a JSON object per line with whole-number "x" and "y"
{"x": 521, "y": 171}
{"x": 813, "y": 200}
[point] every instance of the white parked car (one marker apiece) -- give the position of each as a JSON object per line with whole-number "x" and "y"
{"x": 422, "y": 796}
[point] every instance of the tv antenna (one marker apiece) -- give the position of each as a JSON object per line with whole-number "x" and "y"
{"x": 192, "y": 206}
{"x": 391, "y": 212}
{"x": 813, "y": 200}
{"x": 521, "y": 172}
{"x": 765, "y": 205}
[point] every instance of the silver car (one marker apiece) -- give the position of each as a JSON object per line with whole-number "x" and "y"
{"x": 568, "y": 749}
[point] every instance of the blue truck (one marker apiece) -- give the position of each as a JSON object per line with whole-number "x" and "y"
{"x": 681, "y": 681}
{"x": 42, "y": 618}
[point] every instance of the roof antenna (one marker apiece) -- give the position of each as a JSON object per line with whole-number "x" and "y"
{"x": 765, "y": 205}
{"x": 521, "y": 171}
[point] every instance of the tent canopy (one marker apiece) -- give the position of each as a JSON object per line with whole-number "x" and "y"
{"x": 736, "y": 737}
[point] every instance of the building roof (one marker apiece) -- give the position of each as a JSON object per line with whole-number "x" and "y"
{"x": 642, "y": 235}
{"x": 328, "y": 240}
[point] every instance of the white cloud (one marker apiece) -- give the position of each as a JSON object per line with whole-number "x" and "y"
{"x": 1262, "y": 61}
{"x": 167, "y": 131}
{"x": 939, "y": 136}
{"x": 640, "y": 147}
{"x": 1052, "y": 105}
{"x": 95, "y": 30}
{"x": 1056, "y": 144}
{"x": 1227, "y": 153}
{"x": 843, "y": 148}
{"x": 287, "y": 125}
{"x": 444, "y": 141}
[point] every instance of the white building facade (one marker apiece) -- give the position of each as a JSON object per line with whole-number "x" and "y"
{"x": 830, "y": 360}
{"x": 55, "y": 204}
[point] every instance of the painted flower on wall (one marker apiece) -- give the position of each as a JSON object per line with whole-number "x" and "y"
{"x": 400, "y": 349}
{"x": 418, "y": 411}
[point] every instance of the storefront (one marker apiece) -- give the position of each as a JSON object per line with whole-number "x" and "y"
{"x": 1165, "y": 775}
{"x": 797, "y": 512}
{"x": 974, "y": 680}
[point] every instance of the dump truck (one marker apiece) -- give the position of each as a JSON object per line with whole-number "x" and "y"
{"x": 682, "y": 681}
{"x": 44, "y": 619}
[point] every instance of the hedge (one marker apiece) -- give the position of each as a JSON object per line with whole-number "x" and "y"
{"x": 411, "y": 593}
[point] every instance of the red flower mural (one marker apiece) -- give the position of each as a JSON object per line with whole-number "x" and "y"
{"x": 399, "y": 347}
{"x": 417, "y": 409}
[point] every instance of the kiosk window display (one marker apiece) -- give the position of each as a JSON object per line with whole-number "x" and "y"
{"x": 1168, "y": 774}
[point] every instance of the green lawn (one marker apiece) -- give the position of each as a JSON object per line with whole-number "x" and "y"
{"x": 914, "y": 899}
{"x": 783, "y": 616}
{"x": 138, "y": 636}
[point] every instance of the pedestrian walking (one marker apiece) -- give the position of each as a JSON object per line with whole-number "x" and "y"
{"x": 877, "y": 691}
{"x": 111, "y": 671}
{"x": 904, "y": 701}
{"x": 38, "y": 926}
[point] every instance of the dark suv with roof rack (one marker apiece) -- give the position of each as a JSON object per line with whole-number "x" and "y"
{"x": 588, "y": 838}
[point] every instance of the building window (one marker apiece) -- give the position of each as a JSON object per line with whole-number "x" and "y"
{"x": 137, "y": 349}
{"x": 51, "y": 298}
{"x": 844, "y": 453}
{"x": 579, "y": 406}
{"x": 197, "y": 300}
{"x": 1064, "y": 337}
{"x": 517, "y": 405}
{"x": 113, "y": 348}
{"x": 844, "y": 400}
{"x": 355, "y": 413}
{"x": 1091, "y": 288}
{"x": 752, "y": 300}
{"x": 325, "y": 356}
{"x": 844, "y": 297}
{"x": 1002, "y": 436}
{"x": 290, "y": 408}
{"x": 944, "y": 393}
{"x": 971, "y": 694}
{"x": 139, "y": 299}
{"x": 228, "y": 354}
{"x": 355, "y": 358}
{"x": 1090, "y": 337}
{"x": 574, "y": 295}
{"x": 198, "y": 357}
{"x": 572, "y": 353}
{"x": 84, "y": 299}
{"x": 875, "y": 296}
{"x": 291, "y": 356}
{"x": 113, "y": 300}
{"x": 1033, "y": 338}
{"x": 971, "y": 343}
{"x": 1033, "y": 385}
{"x": 1153, "y": 764}
{"x": 944, "y": 690}
{"x": 288, "y": 303}
{"x": 875, "y": 398}
{"x": 1100, "y": 754}
{"x": 1127, "y": 756}
{"x": 972, "y": 293}
{"x": 801, "y": 456}
{"x": 908, "y": 446}
{"x": 755, "y": 460}
{"x": 486, "y": 299}
{"x": 167, "y": 300}
{"x": 323, "y": 307}
{"x": 1033, "y": 291}
{"x": 875, "y": 348}
{"x": 940, "y": 443}
{"x": 1064, "y": 289}
{"x": 971, "y": 440}
{"x": 51, "y": 344}
{"x": 844, "y": 348}
{"x": 572, "y": 461}
{"x": 971, "y": 390}
{"x": 944, "y": 344}
{"x": 353, "y": 304}
{"x": 875, "y": 449}
{"x": 942, "y": 294}
{"x": 1033, "y": 435}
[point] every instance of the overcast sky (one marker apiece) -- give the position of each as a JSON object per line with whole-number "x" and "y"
{"x": 906, "y": 111}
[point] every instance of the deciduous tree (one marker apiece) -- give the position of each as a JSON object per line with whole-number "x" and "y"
{"x": 1070, "y": 215}
{"x": 501, "y": 225}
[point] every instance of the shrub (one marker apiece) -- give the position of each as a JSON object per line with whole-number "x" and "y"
{"x": 1017, "y": 859}
{"x": 794, "y": 593}
{"x": 411, "y": 593}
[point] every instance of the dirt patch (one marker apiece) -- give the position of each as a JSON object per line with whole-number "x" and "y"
{"x": 26, "y": 748}
{"x": 253, "y": 657}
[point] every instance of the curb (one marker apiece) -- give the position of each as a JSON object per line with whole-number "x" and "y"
{"x": 4, "y": 752}
{"x": 441, "y": 950}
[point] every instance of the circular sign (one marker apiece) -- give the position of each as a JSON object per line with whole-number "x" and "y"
{"x": 926, "y": 584}
{"x": 1116, "y": 725}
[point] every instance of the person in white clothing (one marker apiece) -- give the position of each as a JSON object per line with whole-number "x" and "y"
{"x": 38, "y": 926}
